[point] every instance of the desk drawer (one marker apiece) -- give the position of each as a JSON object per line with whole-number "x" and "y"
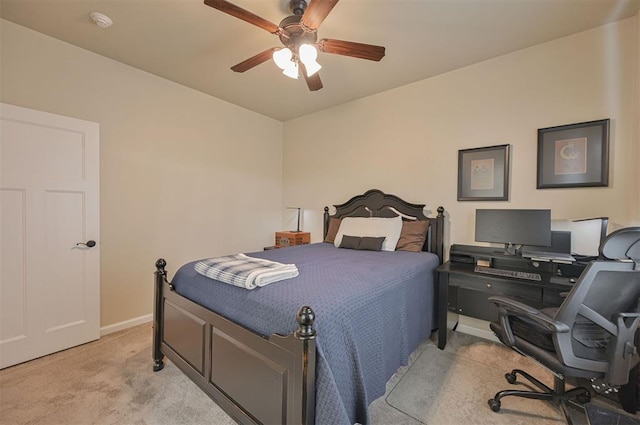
{"x": 493, "y": 286}
{"x": 476, "y": 304}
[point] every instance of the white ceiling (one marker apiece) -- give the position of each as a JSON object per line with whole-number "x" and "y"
{"x": 195, "y": 45}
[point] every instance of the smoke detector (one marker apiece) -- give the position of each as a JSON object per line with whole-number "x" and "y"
{"x": 101, "y": 20}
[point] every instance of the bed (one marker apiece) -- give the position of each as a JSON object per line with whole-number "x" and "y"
{"x": 317, "y": 348}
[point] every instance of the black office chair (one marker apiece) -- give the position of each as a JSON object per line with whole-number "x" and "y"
{"x": 591, "y": 335}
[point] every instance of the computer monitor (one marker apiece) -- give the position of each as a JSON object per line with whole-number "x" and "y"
{"x": 513, "y": 227}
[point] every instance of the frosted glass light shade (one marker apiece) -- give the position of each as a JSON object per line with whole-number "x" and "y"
{"x": 291, "y": 70}
{"x": 312, "y": 68}
{"x": 308, "y": 55}
{"x": 282, "y": 58}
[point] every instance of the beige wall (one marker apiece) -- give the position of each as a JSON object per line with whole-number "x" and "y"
{"x": 405, "y": 141}
{"x": 183, "y": 175}
{"x": 166, "y": 150}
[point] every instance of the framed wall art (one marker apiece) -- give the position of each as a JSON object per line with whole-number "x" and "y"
{"x": 574, "y": 155}
{"x": 483, "y": 174}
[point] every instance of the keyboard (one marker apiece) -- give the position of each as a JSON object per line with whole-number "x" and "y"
{"x": 507, "y": 273}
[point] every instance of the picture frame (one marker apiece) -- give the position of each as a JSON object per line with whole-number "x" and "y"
{"x": 483, "y": 173}
{"x": 574, "y": 155}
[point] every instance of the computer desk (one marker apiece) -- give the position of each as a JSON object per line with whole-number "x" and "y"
{"x": 465, "y": 292}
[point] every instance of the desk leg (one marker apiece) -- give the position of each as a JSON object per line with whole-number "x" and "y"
{"x": 443, "y": 298}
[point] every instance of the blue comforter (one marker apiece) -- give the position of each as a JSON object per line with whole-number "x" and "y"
{"x": 372, "y": 309}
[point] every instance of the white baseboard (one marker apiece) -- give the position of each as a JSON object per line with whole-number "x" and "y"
{"x": 106, "y": 330}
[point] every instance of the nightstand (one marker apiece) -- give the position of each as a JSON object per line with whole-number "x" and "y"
{"x": 287, "y": 238}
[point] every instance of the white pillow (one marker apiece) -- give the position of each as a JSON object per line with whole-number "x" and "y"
{"x": 390, "y": 228}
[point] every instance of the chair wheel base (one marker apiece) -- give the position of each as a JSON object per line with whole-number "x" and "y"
{"x": 575, "y": 397}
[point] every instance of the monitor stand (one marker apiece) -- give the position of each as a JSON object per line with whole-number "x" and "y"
{"x": 510, "y": 249}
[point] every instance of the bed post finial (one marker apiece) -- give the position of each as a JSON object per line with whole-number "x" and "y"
{"x": 161, "y": 264}
{"x": 305, "y": 319}
{"x": 440, "y": 211}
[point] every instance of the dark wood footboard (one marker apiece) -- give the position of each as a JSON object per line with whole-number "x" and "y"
{"x": 253, "y": 378}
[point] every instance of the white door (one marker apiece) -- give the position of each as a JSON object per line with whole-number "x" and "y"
{"x": 49, "y": 203}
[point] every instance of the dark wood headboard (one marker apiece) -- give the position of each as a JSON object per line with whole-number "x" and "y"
{"x": 375, "y": 203}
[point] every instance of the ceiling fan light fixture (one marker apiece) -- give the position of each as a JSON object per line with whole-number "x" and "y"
{"x": 291, "y": 70}
{"x": 312, "y": 68}
{"x": 308, "y": 55}
{"x": 282, "y": 58}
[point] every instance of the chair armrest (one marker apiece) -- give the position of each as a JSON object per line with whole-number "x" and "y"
{"x": 516, "y": 308}
{"x": 513, "y": 305}
{"x": 509, "y": 307}
{"x": 625, "y": 315}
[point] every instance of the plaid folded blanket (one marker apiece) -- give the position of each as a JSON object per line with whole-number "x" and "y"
{"x": 244, "y": 271}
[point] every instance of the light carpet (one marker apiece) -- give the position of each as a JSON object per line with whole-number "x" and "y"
{"x": 425, "y": 391}
{"x": 111, "y": 381}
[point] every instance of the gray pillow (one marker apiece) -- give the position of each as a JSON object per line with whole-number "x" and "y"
{"x": 350, "y": 242}
{"x": 364, "y": 243}
{"x": 369, "y": 243}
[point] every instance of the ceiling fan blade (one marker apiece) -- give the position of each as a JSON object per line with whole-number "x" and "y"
{"x": 316, "y": 12}
{"x": 314, "y": 83}
{"x": 254, "y": 60}
{"x": 245, "y": 15}
{"x": 350, "y": 48}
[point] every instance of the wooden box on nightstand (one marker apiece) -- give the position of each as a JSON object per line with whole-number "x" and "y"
{"x": 285, "y": 239}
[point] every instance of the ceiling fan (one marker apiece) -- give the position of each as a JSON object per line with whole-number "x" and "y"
{"x": 298, "y": 34}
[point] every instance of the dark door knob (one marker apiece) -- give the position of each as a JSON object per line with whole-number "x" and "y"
{"x": 88, "y": 244}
